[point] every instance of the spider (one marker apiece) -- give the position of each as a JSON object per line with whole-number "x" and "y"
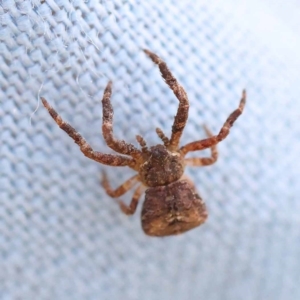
{"x": 171, "y": 205}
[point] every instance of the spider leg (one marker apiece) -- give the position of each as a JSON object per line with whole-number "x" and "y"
{"x": 122, "y": 189}
{"x": 130, "y": 210}
{"x": 107, "y": 127}
{"x": 183, "y": 109}
{"x": 213, "y": 140}
{"x": 204, "y": 161}
{"x": 86, "y": 149}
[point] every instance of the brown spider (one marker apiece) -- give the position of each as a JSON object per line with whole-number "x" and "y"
{"x": 171, "y": 205}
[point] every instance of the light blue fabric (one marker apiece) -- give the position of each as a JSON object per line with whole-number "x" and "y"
{"x": 61, "y": 236}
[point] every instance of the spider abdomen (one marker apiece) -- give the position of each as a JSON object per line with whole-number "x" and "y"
{"x": 172, "y": 209}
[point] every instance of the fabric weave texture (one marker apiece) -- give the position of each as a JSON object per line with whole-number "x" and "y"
{"x": 61, "y": 236}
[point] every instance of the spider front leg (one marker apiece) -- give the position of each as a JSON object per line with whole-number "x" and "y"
{"x": 86, "y": 149}
{"x": 107, "y": 127}
{"x": 183, "y": 109}
{"x": 212, "y": 141}
{"x": 204, "y": 161}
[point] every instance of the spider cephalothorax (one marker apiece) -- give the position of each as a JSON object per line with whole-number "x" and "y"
{"x": 171, "y": 205}
{"x": 161, "y": 167}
